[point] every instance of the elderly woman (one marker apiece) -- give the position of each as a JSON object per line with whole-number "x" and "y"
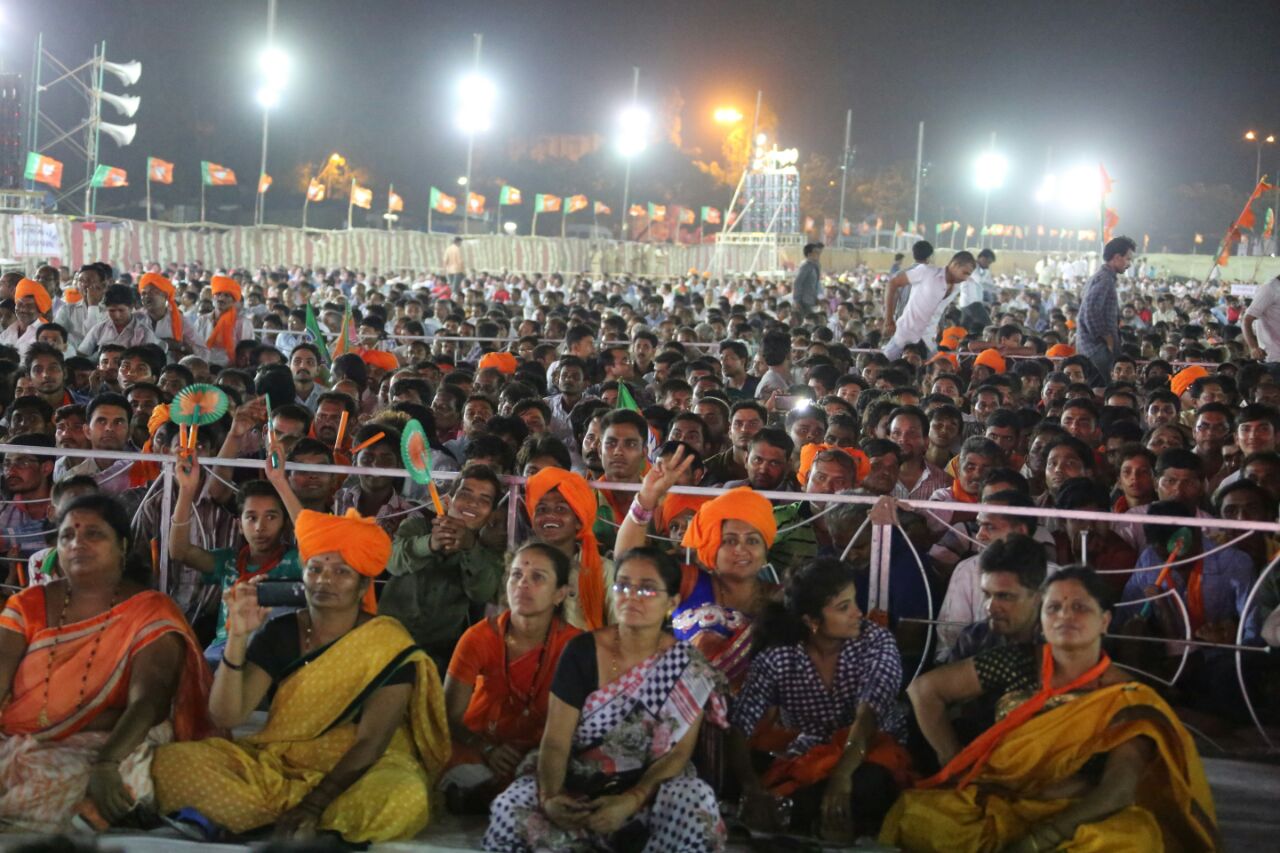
{"x": 356, "y": 734}
{"x": 626, "y": 705}
{"x": 95, "y": 671}
{"x": 1081, "y": 755}
{"x": 833, "y": 678}
{"x": 562, "y": 512}
{"x": 499, "y": 679}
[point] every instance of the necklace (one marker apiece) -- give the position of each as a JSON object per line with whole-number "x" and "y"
{"x": 43, "y": 719}
{"x": 525, "y": 701}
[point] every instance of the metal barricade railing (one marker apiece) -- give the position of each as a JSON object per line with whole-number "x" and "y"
{"x": 882, "y": 528}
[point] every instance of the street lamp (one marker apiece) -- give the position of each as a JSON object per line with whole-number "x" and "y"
{"x": 476, "y": 97}
{"x": 727, "y": 115}
{"x": 1254, "y": 136}
{"x": 274, "y": 65}
{"x": 989, "y": 173}
{"x": 633, "y": 137}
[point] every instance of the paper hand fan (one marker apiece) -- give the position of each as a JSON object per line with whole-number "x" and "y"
{"x": 198, "y": 405}
{"x": 416, "y": 453}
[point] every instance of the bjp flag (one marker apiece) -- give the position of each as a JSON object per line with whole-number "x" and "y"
{"x": 315, "y": 191}
{"x": 443, "y": 203}
{"x": 45, "y": 170}
{"x": 543, "y": 203}
{"x": 214, "y": 175}
{"x": 361, "y": 196}
{"x": 576, "y": 203}
{"x": 711, "y": 215}
{"x": 602, "y": 209}
{"x": 159, "y": 171}
{"x": 475, "y": 204}
{"x": 264, "y": 183}
{"x": 687, "y": 216}
{"x": 636, "y": 210}
{"x": 395, "y": 204}
{"x": 509, "y": 195}
{"x": 658, "y": 212}
{"x": 107, "y": 177}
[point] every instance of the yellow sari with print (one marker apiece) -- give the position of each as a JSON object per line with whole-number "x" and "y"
{"x": 1173, "y": 808}
{"x": 249, "y": 783}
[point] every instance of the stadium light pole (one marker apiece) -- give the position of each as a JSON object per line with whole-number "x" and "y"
{"x": 475, "y": 115}
{"x": 990, "y": 171}
{"x": 274, "y": 66}
{"x": 631, "y": 141}
{"x": 1254, "y": 136}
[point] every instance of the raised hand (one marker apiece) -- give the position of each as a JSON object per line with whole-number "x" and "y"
{"x": 244, "y": 614}
{"x": 664, "y": 474}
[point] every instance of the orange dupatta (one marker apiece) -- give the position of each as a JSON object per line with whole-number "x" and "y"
{"x": 974, "y": 757}
{"x": 69, "y": 675}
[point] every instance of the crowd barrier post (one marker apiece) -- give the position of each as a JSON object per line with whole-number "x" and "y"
{"x": 166, "y": 528}
{"x": 514, "y": 490}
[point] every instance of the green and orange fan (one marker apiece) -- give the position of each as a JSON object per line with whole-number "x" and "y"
{"x": 196, "y": 406}
{"x": 415, "y": 450}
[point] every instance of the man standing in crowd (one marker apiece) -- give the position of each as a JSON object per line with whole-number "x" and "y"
{"x": 806, "y": 289}
{"x": 1098, "y": 331}
{"x": 933, "y": 289}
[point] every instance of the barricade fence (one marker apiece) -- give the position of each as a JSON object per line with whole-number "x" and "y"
{"x": 882, "y": 518}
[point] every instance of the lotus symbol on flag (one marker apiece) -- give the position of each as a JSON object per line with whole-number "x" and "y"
{"x": 46, "y": 169}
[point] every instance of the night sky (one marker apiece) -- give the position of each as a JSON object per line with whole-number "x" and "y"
{"x": 1159, "y": 92}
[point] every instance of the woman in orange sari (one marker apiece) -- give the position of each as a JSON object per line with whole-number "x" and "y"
{"x": 1081, "y": 756}
{"x": 95, "y": 671}
{"x": 499, "y": 679}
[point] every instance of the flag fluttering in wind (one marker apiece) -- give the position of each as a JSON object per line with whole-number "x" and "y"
{"x": 475, "y": 204}
{"x": 213, "y": 175}
{"x": 509, "y": 195}
{"x": 1110, "y": 219}
{"x": 711, "y": 215}
{"x": 443, "y": 203}
{"x": 637, "y": 210}
{"x": 315, "y": 191}
{"x": 159, "y": 171}
{"x": 687, "y": 216}
{"x": 602, "y": 209}
{"x": 264, "y": 183}
{"x": 544, "y": 203}
{"x": 576, "y": 203}
{"x": 316, "y": 334}
{"x": 657, "y": 212}
{"x": 108, "y": 177}
{"x": 395, "y": 204}
{"x": 44, "y": 170}
{"x": 361, "y": 196}
{"x": 346, "y": 335}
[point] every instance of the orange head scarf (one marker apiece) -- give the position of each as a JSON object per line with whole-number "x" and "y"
{"x": 957, "y": 332}
{"x": 162, "y": 284}
{"x": 582, "y": 501}
{"x": 740, "y": 504}
{"x": 27, "y": 287}
{"x": 224, "y": 330}
{"x": 950, "y": 342}
{"x": 991, "y": 358}
{"x": 810, "y": 452}
{"x": 380, "y": 358}
{"x": 671, "y": 507}
{"x": 1061, "y": 351}
{"x": 1185, "y": 378}
{"x": 948, "y": 357}
{"x": 72, "y": 295}
{"x": 503, "y": 362}
{"x": 362, "y": 544}
{"x": 142, "y": 472}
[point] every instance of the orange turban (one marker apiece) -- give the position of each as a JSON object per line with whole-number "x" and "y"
{"x": 950, "y": 342}
{"x": 957, "y": 332}
{"x": 1071, "y": 324}
{"x": 1183, "y": 379}
{"x": 949, "y": 357}
{"x": 27, "y": 287}
{"x": 142, "y": 472}
{"x": 162, "y": 284}
{"x": 362, "y": 544}
{"x": 504, "y": 362}
{"x": 1061, "y": 351}
{"x": 380, "y": 358}
{"x": 674, "y": 504}
{"x": 810, "y": 452}
{"x": 740, "y": 504}
{"x": 991, "y": 358}
{"x": 224, "y": 284}
{"x": 582, "y": 500}
{"x": 72, "y": 295}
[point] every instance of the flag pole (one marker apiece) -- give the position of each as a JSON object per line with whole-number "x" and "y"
{"x": 148, "y": 192}
{"x": 391, "y": 189}
{"x": 533, "y": 231}
{"x": 564, "y": 217}
{"x": 429, "y": 209}
{"x": 306, "y": 200}
{"x": 351, "y": 201}
{"x": 202, "y": 219}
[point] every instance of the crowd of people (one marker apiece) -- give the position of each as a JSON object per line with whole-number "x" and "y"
{"x": 614, "y": 661}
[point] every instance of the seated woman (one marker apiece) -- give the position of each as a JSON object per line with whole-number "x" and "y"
{"x": 562, "y": 511}
{"x": 833, "y": 677}
{"x": 1080, "y": 756}
{"x": 627, "y": 702}
{"x": 95, "y": 671}
{"x": 499, "y": 680}
{"x": 356, "y": 734}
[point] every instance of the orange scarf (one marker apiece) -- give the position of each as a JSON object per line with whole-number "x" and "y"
{"x": 788, "y": 775}
{"x": 574, "y": 489}
{"x": 974, "y": 757}
{"x": 958, "y": 492}
{"x": 1195, "y": 592}
{"x": 224, "y": 330}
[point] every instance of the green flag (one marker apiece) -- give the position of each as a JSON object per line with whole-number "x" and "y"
{"x": 625, "y": 400}
{"x": 509, "y": 195}
{"x": 317, "y": 336}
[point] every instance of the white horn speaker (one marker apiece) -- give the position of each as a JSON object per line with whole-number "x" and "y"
{"x": 126, "y": 105}
{"x": 127, "y": 72}
{"x": 121, "y": 133}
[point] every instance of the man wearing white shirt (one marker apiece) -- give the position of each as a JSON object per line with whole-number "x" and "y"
{"x": 81, "y": 316}
{"x": 1262, "y": 322}
{"x": 933, "y": 289}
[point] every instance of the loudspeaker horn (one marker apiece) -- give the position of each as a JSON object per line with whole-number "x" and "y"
{"x": 126, "y": 105}
{"x": 121, "y": 133}
{"x": 127, "y": 72}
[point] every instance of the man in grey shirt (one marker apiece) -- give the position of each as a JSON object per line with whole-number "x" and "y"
{"x": 806, "y": 289}
{"x": 1098, "y": 323}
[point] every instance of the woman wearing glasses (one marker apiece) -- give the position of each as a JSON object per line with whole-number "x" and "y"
{"x": 626, "y": 705}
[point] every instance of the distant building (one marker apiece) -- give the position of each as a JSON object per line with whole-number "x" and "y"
{"x": 557, "y": 146}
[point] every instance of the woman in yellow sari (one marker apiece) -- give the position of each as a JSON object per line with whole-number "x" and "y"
{"x": 95, "y": 671}
{"x": 1081, "y": 757}
{"x": 356, "y": 734}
